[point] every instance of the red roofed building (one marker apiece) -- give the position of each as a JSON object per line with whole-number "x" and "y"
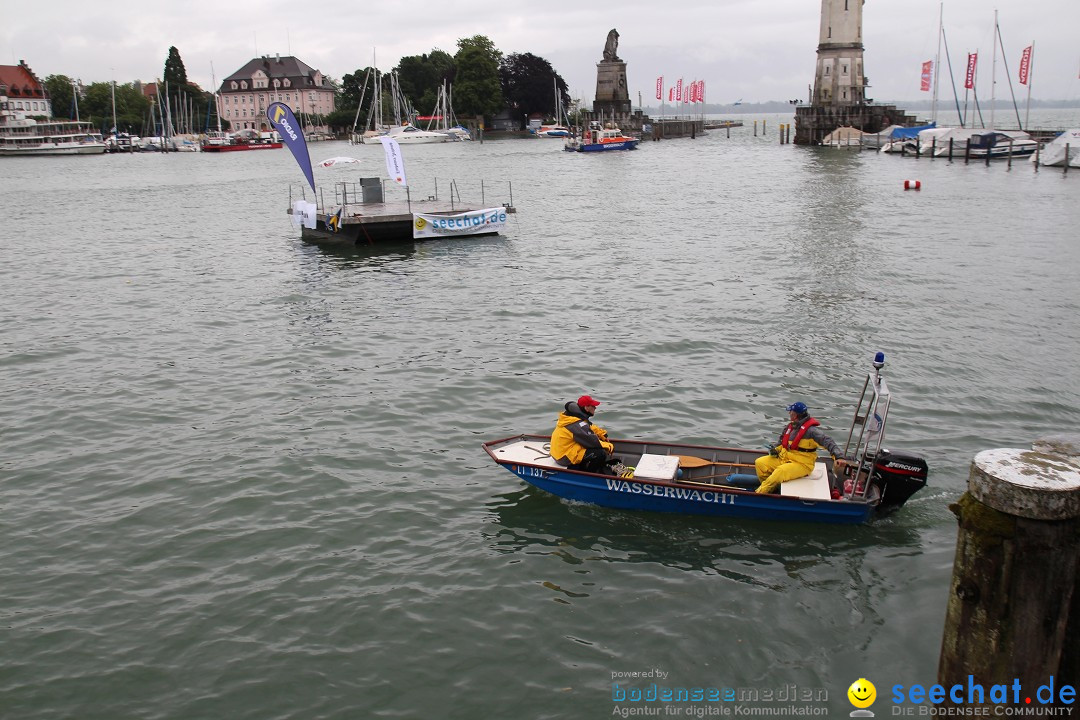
{"x": 20, "y": 90}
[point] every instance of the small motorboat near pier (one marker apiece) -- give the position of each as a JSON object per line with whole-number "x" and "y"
{"x": 598, "y": 138}
{"x": 720, "y": 481}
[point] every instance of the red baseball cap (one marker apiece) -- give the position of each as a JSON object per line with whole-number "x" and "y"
{"x": 587, "y": 400}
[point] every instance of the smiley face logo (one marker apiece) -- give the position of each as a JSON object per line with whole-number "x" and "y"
{"x": 862, "y": 693}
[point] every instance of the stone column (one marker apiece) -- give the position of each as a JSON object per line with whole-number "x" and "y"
{"x": 612, "y": 95}
{"x": 1014, "y": 603}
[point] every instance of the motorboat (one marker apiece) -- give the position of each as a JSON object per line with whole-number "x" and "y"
{"x": 598, "y": 138}
{"x": 1001, "y": 144}
{"x": 1063, "y": 148}
{"x": 671, "y": 477}
{"x": 247, "y": 139}
{"x": 553, "y": 131}
{"x": 407, "y": 134}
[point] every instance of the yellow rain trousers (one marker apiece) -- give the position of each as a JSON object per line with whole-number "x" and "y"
{"x": 791, "y": 465}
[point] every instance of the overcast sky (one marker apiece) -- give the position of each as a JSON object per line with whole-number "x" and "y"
{"x": 751, "y": 50}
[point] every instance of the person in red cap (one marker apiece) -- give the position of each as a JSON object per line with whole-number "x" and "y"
{"x": 578, "y": 444}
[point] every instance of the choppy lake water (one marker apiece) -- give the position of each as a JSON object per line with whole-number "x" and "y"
{"x": 242, "y": 476}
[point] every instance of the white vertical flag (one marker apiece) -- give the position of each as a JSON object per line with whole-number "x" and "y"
{"x": 395, "y": 166}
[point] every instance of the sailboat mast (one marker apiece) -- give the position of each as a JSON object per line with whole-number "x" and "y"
{"x": 217, "y": 97}
{"x": 937, "y": 60}
{"x": 993, "y": 71}
{"x": 113, "y": 107}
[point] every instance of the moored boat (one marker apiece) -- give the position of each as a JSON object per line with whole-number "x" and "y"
{"x": 1001, "y": 144}
{"x": 601, "y": 139}
{"x": 239, "y": 141}
{"x": 720, "y": 481}
{"x": 553, "y": 131}
{"x": 1065, "y": 148}
{"x": 407, "y": 135}
{"x": 21, "y": 135}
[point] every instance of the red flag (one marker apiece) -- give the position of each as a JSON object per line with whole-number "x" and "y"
{"x": 678, "y": 90}
{"x": 701, "y": 96}
{"x": 969, "y": 78}
{"x": 671, "y": 94}
{"x": 1025, "y": 65}
{"x": 927, "y": 71}
{"x": 660, "y": 88}
{"x": 693, "y": 92}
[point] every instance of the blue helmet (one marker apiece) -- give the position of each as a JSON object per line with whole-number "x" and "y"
{"x": 799, "y": 407}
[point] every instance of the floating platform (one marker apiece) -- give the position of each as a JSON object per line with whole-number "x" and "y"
{"x": 359, "y": 215}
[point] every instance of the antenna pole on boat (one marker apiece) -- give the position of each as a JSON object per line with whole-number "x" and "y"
{"x": 993, "y": 70}
{"x": 75, "y": 97}
{"x": 937, "y": 60}
{"x": 217, "y": 96}
{"x": 114, "y": 106}
{"x": 1005, "y": 62}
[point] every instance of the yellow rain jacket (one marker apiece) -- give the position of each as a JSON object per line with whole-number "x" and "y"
{"x": 574, "y": 433}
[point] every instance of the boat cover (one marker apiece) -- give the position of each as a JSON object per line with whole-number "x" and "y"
{"x": 906, "y": 133}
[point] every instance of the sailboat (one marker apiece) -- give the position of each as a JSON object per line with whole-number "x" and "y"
{"x": 996, "y": 143}
{"x": 561, "y": 128}
{"x": 443, "y": 120}
{"x": 215, "y": 138}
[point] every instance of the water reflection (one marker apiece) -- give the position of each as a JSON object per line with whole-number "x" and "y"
{"x": 345, "y": 255}
{"x": 533, "y": 522}
{"x": 385, "y": 254}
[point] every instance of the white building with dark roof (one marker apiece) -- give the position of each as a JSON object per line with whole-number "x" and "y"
{"x": 244, "y": 96}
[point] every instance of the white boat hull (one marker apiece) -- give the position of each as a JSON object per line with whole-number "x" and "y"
{"x": 86, "y": 149}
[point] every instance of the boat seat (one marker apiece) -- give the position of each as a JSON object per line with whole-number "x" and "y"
{"x": 526, "y": 452}
{"x": 657, "y": 467}
{"x": 814, "y": 486}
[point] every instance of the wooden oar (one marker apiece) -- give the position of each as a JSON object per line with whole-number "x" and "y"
{"x": 715, "y": 485}
{"x": 690, "y": 461}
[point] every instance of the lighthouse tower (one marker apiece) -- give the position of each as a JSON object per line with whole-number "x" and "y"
{"x": 839, "y": 94}
{"x": 839, "y": 79}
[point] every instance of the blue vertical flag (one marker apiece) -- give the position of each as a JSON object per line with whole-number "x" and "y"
{"x": 283, "y": 120}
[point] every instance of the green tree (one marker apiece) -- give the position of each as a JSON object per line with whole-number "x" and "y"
{"x": 529, "y": 84}
{"x": 420, "y": 77}
{"x": 132, "y": 107}
{"x": 96, "y": 104}
{"x": 174, "y": 74}
{"x": 477, "y": 90}
{"x": 61, "y": 95}
{"x": 187, "y": 102}
{"x": 357, "y": 90}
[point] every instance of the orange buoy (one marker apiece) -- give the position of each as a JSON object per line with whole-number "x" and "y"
{"x": 912, "y": 185}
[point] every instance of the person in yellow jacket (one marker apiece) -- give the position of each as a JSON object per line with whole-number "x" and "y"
{"x": 795, "y": 454}
{"x": 578, "y": 444}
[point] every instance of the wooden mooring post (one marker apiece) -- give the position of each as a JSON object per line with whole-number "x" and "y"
{"x": 1013, "y": 610}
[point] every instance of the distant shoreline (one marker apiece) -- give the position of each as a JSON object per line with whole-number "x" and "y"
{"x": 780, "y": 106}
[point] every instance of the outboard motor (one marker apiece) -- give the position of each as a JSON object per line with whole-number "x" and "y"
{"x": 898, "y": 476}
